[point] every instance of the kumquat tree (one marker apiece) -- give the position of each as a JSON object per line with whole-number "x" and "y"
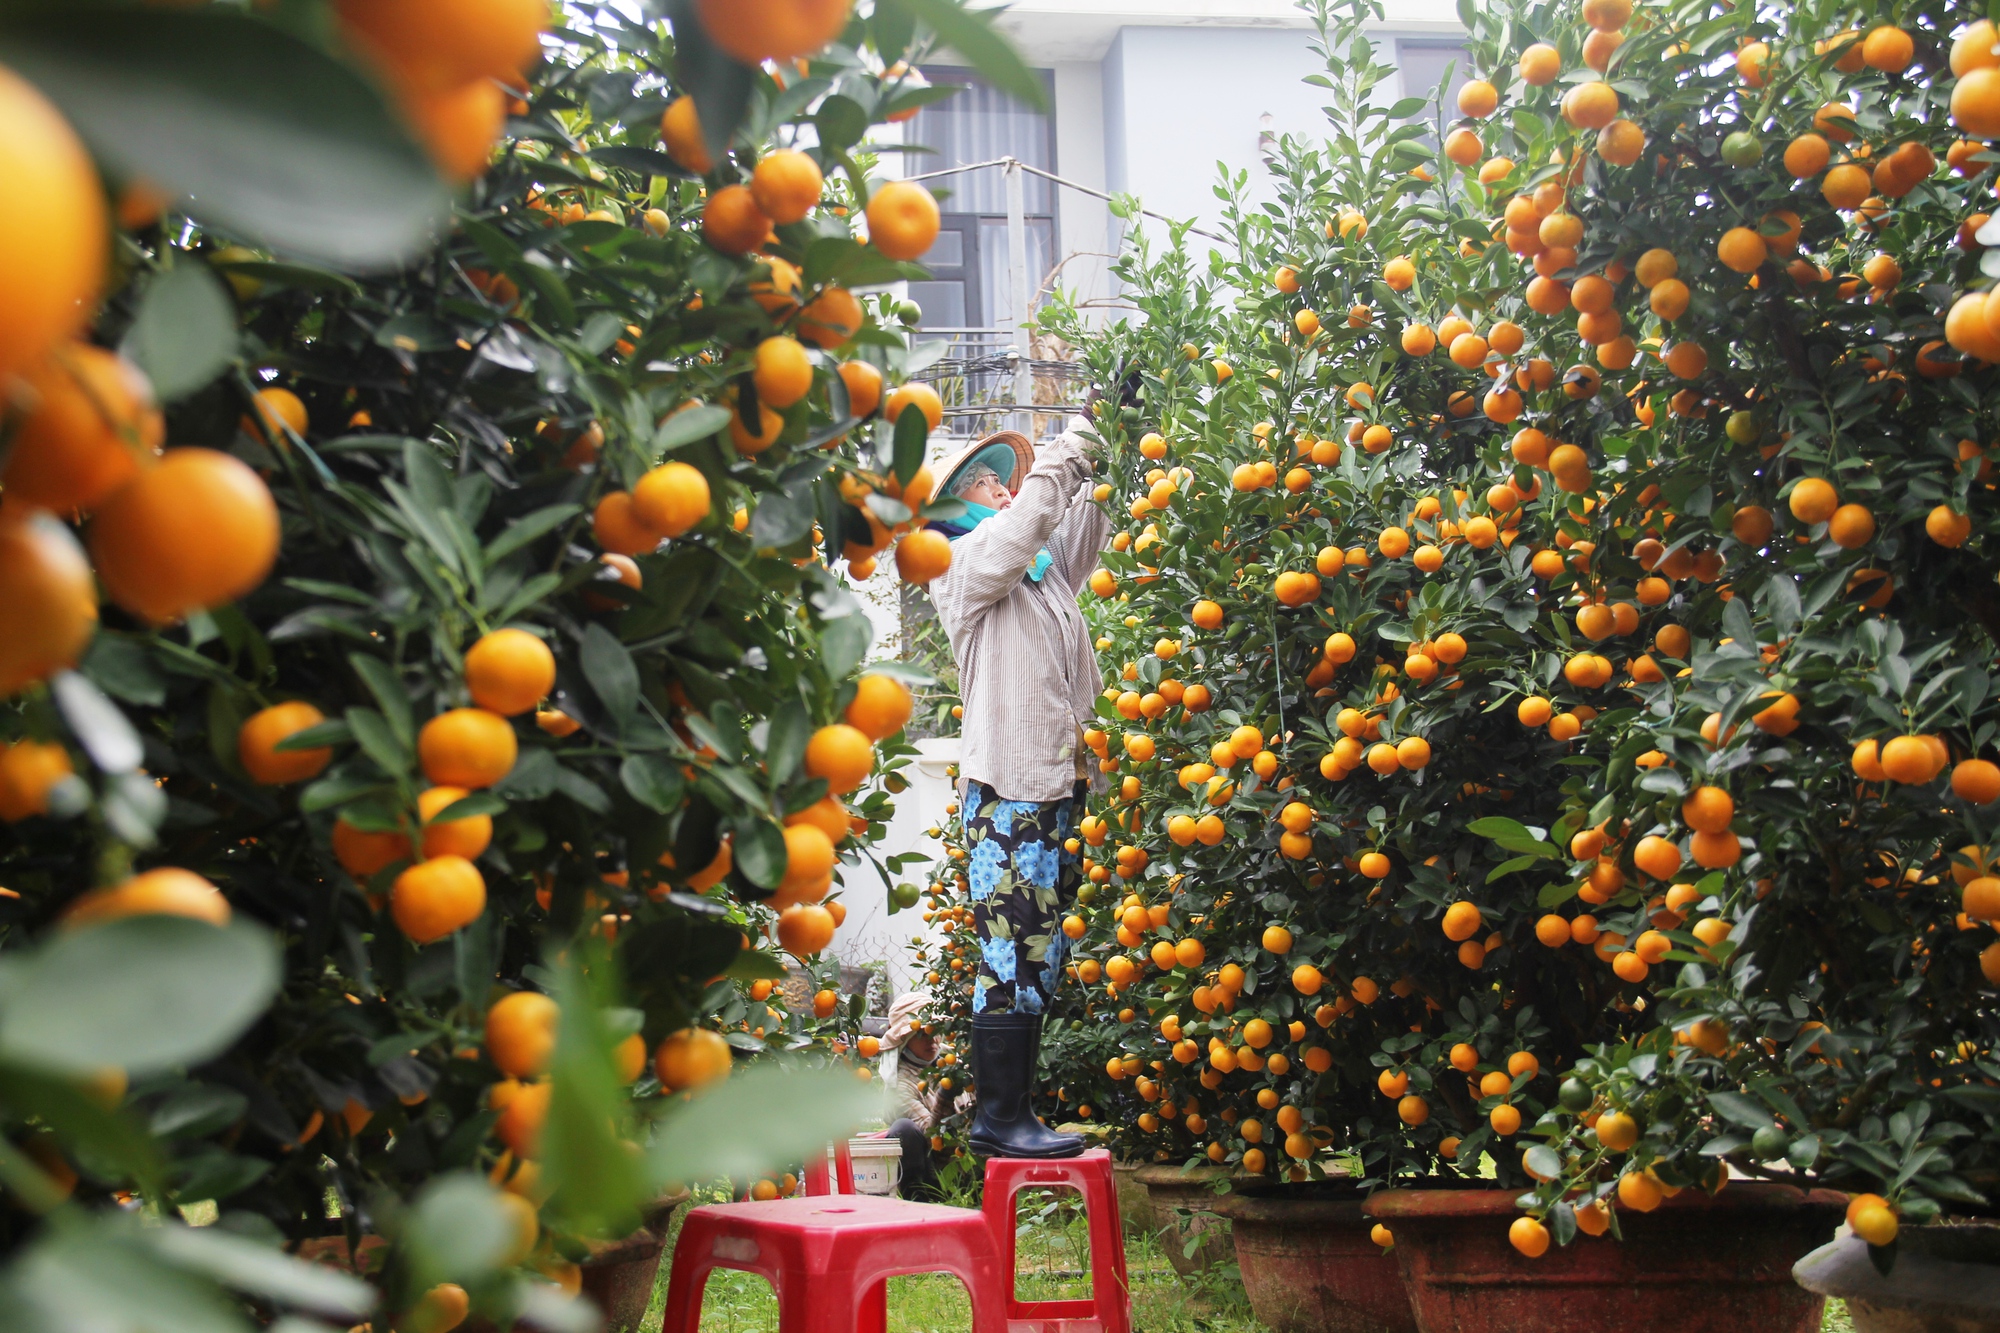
{"x": 430, "y": 715}
{"x": 1550, "y": 714}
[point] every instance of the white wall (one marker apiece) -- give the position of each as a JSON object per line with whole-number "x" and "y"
{"x": 1180, "y": 100}
{"x": 871, "y": 933}
{"x": 1086, "y": 225}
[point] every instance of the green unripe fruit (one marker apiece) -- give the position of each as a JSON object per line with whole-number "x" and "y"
{"x": 1770, "y": 1143}
{"x": 1742, "y": 149}
{"x": 1743, "y": 428}
{"x": 1575, "y": 1095}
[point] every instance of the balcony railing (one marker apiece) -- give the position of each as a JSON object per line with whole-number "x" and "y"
{"x": 978, "y": 378}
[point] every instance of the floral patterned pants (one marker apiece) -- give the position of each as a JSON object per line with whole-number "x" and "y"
{"x": 1021, "y": 880}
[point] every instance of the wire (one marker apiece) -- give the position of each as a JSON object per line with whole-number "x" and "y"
{"x": 1067, "y": 184}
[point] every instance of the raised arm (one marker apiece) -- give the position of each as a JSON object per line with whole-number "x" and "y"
{"x": 1079, "y": 539}
{"x": 990, "y": 560}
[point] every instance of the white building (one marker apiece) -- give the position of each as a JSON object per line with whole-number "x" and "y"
{"x": 1148, "y": 98}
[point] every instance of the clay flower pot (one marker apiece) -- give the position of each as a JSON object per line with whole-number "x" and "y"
{"x": 1943, "y": 1279}
{"x": 1693, "y": 1265}
{"x": 1308, "y": 1263}
{"x": 1135, "y": 1206}
{"x": 619, "y": 1274}
{"x": 1174, "y": 1188}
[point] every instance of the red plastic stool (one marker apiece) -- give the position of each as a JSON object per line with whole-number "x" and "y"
{"x": 829, "y": 1257}
{"x": 1109, "y": 1309}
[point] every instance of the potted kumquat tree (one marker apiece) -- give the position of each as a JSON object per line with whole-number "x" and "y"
{"x": 1550, "y": 711}
{"x": 431, "y": 709}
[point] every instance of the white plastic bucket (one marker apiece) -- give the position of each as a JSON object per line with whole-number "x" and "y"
{"x": 878, "y": 1165}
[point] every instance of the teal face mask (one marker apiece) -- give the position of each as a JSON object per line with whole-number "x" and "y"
{"x": 975, "y": 514}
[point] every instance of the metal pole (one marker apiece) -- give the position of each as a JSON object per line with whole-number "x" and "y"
{"x": 1017, "y": 273}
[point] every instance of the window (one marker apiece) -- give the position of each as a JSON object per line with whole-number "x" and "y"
{"x": 970, "y": 286}
{"x": 1423, "y": 64}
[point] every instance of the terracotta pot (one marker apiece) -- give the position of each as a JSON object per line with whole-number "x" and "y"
{"x": 1135, "y": 1207}
{"x": 1308, "y": 1264}
{"x": 1174, "y": 1188}
{"x": 1943, "y": 1279}
{"x": 333, "y": 1252}
{"x": 619, "y": 1274}
{"x": 1693, "y": 1265}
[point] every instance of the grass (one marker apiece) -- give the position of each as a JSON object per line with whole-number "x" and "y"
{"x": 1053, "y": 1259}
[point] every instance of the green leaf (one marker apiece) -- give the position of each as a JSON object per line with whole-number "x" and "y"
{"x": 1664, "y": 780}
{"x": 843, "y": 260}
{"x": 781, "y": 518}
{"x": 759, "y": 1119}
{"x": 720, "y": 84}
{"x": 335, "y": 732}
{"x": 893, "y": 28}
{"x": 603, "y": 329}
{"x": 609, "y": 668}
{"x": 1512, "y": 836}
{"x": 1778, "y": 599}
{"x": 533, "y": 777}
{"x": 387, "y": 686}
{"x": 1542, "y": 1160}
{"x": 554, "y": 304}
{"x": 471, "y": 806}
{"x": 141, "y": 993}
{"x": 1555, "y": 895}
{"x": 291, "y": 275}
{"x": 268, "y": 135}
{"x": 912, "y": 435}
{"x": 652, "y": 782}
{"x": 106, "y": 1136}
{"x": 636, "y": 159}
{"x": 914, "y": 98}
{"x": 105, "y": 1273}
{"x": 184, "y": 333}
{"x": 971, "y": 33}
{"x": 197, "y": 1110}
{"x": 456, "y": 1230}
{"x": 582, "y": 790}
{"x": 785, "y": 743}
{"x": 760, "y": 851}
{"x": 841, "y": 122}
{"x": 844, "y": 643}
{"x": 1736, "y": 1107}
{"x": 893, "y": 513}
{"x": 685, "y": 427}
{"x": 263, "y": 1270}
{"x": 329, "y": 792}
{"x": 379, "y": 741}
{"x": 122, "y": 668}
{"x": 526, "y": 529}
{"x": 529, "y": 593}
{"x": 98, "y": 725}
{"x": 756, "y": 965}
{"x": 595, "y": 1189}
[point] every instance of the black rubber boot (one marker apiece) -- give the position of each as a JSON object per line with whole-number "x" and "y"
{"x": 1004, "y": 1047}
